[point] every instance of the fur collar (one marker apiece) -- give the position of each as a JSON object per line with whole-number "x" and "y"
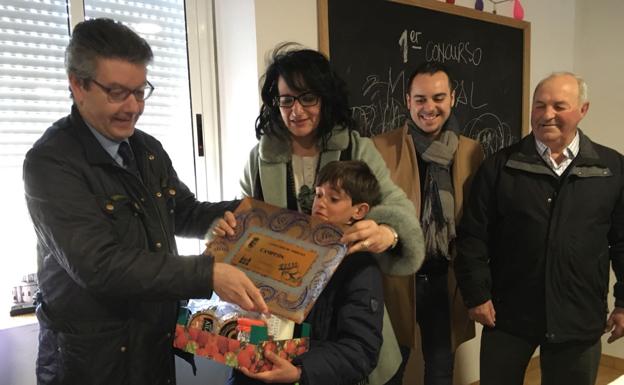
{"x": 275, "y": 150}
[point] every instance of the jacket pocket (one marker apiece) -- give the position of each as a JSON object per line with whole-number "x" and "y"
{"x": 125, "y": 213}
{"x": 96, "y": 359}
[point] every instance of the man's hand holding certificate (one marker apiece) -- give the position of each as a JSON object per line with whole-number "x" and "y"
{"x": 239, "y": 291}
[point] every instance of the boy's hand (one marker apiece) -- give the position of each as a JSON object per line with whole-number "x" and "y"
{"x": 367, "y": 235}
{"x": 225, "y": 225}
{"x": 283, "y": 371}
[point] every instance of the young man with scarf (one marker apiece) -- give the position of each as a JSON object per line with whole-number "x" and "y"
{"x": 433, "y": 164}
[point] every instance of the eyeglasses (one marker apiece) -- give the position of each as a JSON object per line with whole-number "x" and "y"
{"x": 119, "y": 94}
{"x": 307, "y": 99}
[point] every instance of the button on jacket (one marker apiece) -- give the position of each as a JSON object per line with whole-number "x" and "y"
{"x": 539, "y": 245}
{"x": 109, "y": 272}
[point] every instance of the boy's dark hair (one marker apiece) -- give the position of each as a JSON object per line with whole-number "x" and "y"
{"x": 103, "y": 39}
{"x": 354, "y": 177}
{"x": 302, "y": 70}
{"x": 429, "y": 68}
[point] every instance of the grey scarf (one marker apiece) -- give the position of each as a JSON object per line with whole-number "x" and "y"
{"x": 438, "y": 213}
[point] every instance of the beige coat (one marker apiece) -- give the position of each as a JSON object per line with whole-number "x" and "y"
{"x": 397, "y": 149}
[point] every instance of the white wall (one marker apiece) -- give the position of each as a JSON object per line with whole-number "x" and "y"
{"x": 598, "y": 58}
{"x": 284, "y": 20}
{"x": 235, "y": 31}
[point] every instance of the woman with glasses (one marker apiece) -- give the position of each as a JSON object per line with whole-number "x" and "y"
{"x": 305, "y": 123}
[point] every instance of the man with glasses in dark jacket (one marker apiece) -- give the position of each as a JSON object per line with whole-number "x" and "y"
{"x": 545, "y": 218}
{"x": 106, "y": 204}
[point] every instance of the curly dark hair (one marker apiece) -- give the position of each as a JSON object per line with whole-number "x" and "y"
{"x": 302, "y": 70}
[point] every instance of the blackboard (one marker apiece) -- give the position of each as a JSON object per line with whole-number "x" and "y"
{"x": 375, "y": 44}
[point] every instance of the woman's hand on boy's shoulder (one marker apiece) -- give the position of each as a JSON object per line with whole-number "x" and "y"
{"x": 283, "y": 371}
{"x": 367, "y": 235}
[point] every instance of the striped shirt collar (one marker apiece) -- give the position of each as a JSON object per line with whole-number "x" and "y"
{"x": 569, "y": 153}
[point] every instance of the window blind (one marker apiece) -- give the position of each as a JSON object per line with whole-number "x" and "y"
{"x": 33, "y": 94}
{"x": 162, "y": 23}
{"x": 33, "y": 84}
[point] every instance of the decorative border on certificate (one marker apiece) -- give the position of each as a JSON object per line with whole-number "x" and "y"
{"x": 290, "y": 256}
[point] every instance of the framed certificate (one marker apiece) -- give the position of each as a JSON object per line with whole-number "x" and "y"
{"x": 289, "y": 256}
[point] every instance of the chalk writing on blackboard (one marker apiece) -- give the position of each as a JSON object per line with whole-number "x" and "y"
{"x": 385, "y": 109}
{"x": 490, "y": 131}
{"x": 461, "y": 52}
{"x": 465, "y": 98}
{"x": 411, "y": 44}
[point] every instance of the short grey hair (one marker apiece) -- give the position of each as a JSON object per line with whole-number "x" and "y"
{"x": 103, "y": 39}
{"x": 582, "y": 85}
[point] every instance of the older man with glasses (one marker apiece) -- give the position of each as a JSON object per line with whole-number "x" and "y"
{"x": 106, "y": 204}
